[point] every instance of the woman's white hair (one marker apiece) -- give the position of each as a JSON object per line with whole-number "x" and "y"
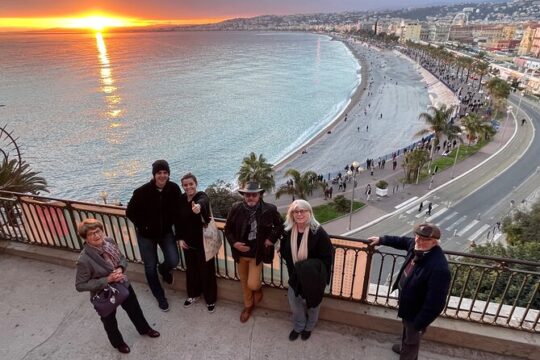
{"x": 302, "y": 205}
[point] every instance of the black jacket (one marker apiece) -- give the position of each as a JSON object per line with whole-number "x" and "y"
{"x": 269, "y": 226}
{"x": 319, "y": 247}
{"x": 191, "y": 223}
{"x": 423, "y": 296}
{"x": 154, "y": 212}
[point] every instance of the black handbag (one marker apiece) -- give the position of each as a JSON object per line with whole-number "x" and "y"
{"x": 108, "y": 299}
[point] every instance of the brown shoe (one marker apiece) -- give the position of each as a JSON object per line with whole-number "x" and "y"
{"x": 257, "y": 296}
{"x": 246, "y": 313}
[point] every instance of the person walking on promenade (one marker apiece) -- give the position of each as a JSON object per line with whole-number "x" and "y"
{"x": 423, "y": 282}
{"x": 252, "y": 228}
{"x": 154, "y": 210}
{"x": 101, "y": 263}
{"x": 308, "y": 254}
{"x": 194, "y": 214}
{"x": 368, "y": 192}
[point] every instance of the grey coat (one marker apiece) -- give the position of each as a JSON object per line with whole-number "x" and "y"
{"x": 92, "y": 270}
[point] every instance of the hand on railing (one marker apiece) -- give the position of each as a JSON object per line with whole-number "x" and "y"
{"x": 374, "y": 241}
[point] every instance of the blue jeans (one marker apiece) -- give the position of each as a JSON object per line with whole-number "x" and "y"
{"x": 303, "y": 318}
{"x": 148, "y": 249}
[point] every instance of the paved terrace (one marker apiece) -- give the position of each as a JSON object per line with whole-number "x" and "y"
{"x": 43, "y": 317}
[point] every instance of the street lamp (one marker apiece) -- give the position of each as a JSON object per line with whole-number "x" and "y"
{"x": 508, "y": 111}
{"x": 352, "y": 172}
{"x": 457, "y": 154}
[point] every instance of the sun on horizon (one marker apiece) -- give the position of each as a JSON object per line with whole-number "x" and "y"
{"x": 93, "y": 22}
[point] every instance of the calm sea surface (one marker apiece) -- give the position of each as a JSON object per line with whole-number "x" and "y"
{"x": 92, "y": 112}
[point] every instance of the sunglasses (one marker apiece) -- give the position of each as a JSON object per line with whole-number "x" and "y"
{"x": 249, "y": 195}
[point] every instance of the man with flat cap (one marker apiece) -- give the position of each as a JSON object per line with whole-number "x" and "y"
{"x": 423, "y": 282}
{"x": 154, "y": 210}
{"x": 252, "y": 229}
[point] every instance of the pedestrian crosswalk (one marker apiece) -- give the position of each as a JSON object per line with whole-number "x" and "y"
{"x": 453, "y": 224}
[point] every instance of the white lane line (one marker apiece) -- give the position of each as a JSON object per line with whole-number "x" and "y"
{"x": 497, "y": 236}
{"x": 413, "y": 209}
{"x": 478, "y": 232}
{"x": 437, "y": 214}
{"x": 405, "y": 203}
{"x": 447, "y": 218}
{"x": 468, "y": 227}
{"x": 422, "y": 213}
{"x": 459, "y": 221}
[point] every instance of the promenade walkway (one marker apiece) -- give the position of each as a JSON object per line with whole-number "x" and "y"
{"x": 43, "y": 317}
{"x": 379, "y": 206}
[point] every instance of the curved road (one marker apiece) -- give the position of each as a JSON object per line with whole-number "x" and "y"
{"x": 469, "y": 207}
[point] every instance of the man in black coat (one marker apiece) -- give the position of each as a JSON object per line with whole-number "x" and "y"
{"x": 423, "y": 282}
{"x": 154, "y": 210}
{"x": 252, "y": 229}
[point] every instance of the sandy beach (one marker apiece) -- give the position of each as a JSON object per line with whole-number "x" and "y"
{"x": 381, "y": 117}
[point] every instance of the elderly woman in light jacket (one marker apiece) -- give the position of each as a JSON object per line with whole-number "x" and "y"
{"x": 100, "y": 264}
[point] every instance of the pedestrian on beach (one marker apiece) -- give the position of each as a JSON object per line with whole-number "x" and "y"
{"x": 100, "y": 265}
{"x": 154, "y": 210}
{"x": 252, "y": 228}
{"x": 423, "y": 282}
{"x": 308, "y": 254}
{"x": 523, "y": 121}
{"x": 194, "y": 215}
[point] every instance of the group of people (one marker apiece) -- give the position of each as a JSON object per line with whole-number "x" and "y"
{"x": 165, "y": 216}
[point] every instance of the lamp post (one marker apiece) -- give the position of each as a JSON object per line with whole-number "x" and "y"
{"x": 457, "y": 154}
{"x": 352, "y": 172}
{"x": 508, "y": 111}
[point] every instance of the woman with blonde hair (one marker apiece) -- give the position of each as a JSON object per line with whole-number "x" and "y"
{"x": 308, "y": 254}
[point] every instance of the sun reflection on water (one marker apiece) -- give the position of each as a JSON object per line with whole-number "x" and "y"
{"x": 113, "y": 100}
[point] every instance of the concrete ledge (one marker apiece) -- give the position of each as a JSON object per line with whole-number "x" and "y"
{"x": 444, "y": 330}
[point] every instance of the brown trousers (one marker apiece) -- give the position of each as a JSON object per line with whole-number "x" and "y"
{"x": 250, "y": 278}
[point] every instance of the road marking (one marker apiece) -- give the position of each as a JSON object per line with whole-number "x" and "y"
{"x": 468, "y": 227}
{"x": 413, "y": 209}
{"x": 437, "y": 214}
{"x": 497, "y": 236}
{"x": 478, "y": 232}
{"x": 424, "y": 212}
{"x": 406, "y": 202}
{"x": 459, "y": 221}
{"x": 448, "y": 218}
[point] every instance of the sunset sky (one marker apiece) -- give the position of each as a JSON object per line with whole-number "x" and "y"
{"x": 18, "y": 14}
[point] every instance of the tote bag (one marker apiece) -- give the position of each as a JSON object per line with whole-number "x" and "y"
{"x": 211, "y": 238}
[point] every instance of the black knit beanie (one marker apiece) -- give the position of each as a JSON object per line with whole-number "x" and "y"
{"x": 159, "y": 165}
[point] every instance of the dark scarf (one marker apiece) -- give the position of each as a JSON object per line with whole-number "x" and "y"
{"x": 252, "y": 220}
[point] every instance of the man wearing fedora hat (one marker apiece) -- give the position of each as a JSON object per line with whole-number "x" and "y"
{"x": 252, "y": 229}
{"x": 154, "y": 210}
{"x": 423, "y": 282}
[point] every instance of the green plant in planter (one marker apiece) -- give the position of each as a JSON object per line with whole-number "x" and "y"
{"x": 381, "y": 184}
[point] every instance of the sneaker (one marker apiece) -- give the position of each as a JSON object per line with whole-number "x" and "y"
{"x": 163, "y": 305}
{"x": 396, "y": 348}
{"x": 305, "y": 335}
{"x": 211, "y": 307}
{"x": 190, "y": 301}
{"x": 293, "y": 335}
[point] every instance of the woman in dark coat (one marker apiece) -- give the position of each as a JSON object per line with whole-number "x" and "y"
{"x": 194, "y": 214}
{"x": 308, "y": 254}
{"x": 101, "y": 263}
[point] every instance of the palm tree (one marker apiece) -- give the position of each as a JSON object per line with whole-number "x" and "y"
{"x": 413, "y": 162}
{"x": 499, "y": 90}
{"x": 303, "y": 184}
{"x": 256, "y": 169}
{"x": 439, "y": 124}
{"x": 476, "y": 126}
{"x": 18, "y": 177}
{"x": 481, "y": 68}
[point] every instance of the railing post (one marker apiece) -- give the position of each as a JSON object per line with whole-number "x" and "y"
{"x": 367, "y": 274}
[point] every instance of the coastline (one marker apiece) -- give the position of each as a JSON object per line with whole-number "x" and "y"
{"x": 353, "y": 101}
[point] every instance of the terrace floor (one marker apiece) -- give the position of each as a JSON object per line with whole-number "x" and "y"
{"x": 43, "y": 317}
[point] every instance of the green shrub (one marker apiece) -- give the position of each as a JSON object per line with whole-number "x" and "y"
{"x": 381, "y": 184}
{"x": 341, "y": 203}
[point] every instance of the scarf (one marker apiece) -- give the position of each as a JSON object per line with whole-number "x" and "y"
{"x": 110, "y": 252}
{"x": 252, "y": 221}
{"x": 299, "y": 254}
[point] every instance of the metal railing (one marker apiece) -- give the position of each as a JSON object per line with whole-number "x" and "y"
{"x": 489, "y": 290}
